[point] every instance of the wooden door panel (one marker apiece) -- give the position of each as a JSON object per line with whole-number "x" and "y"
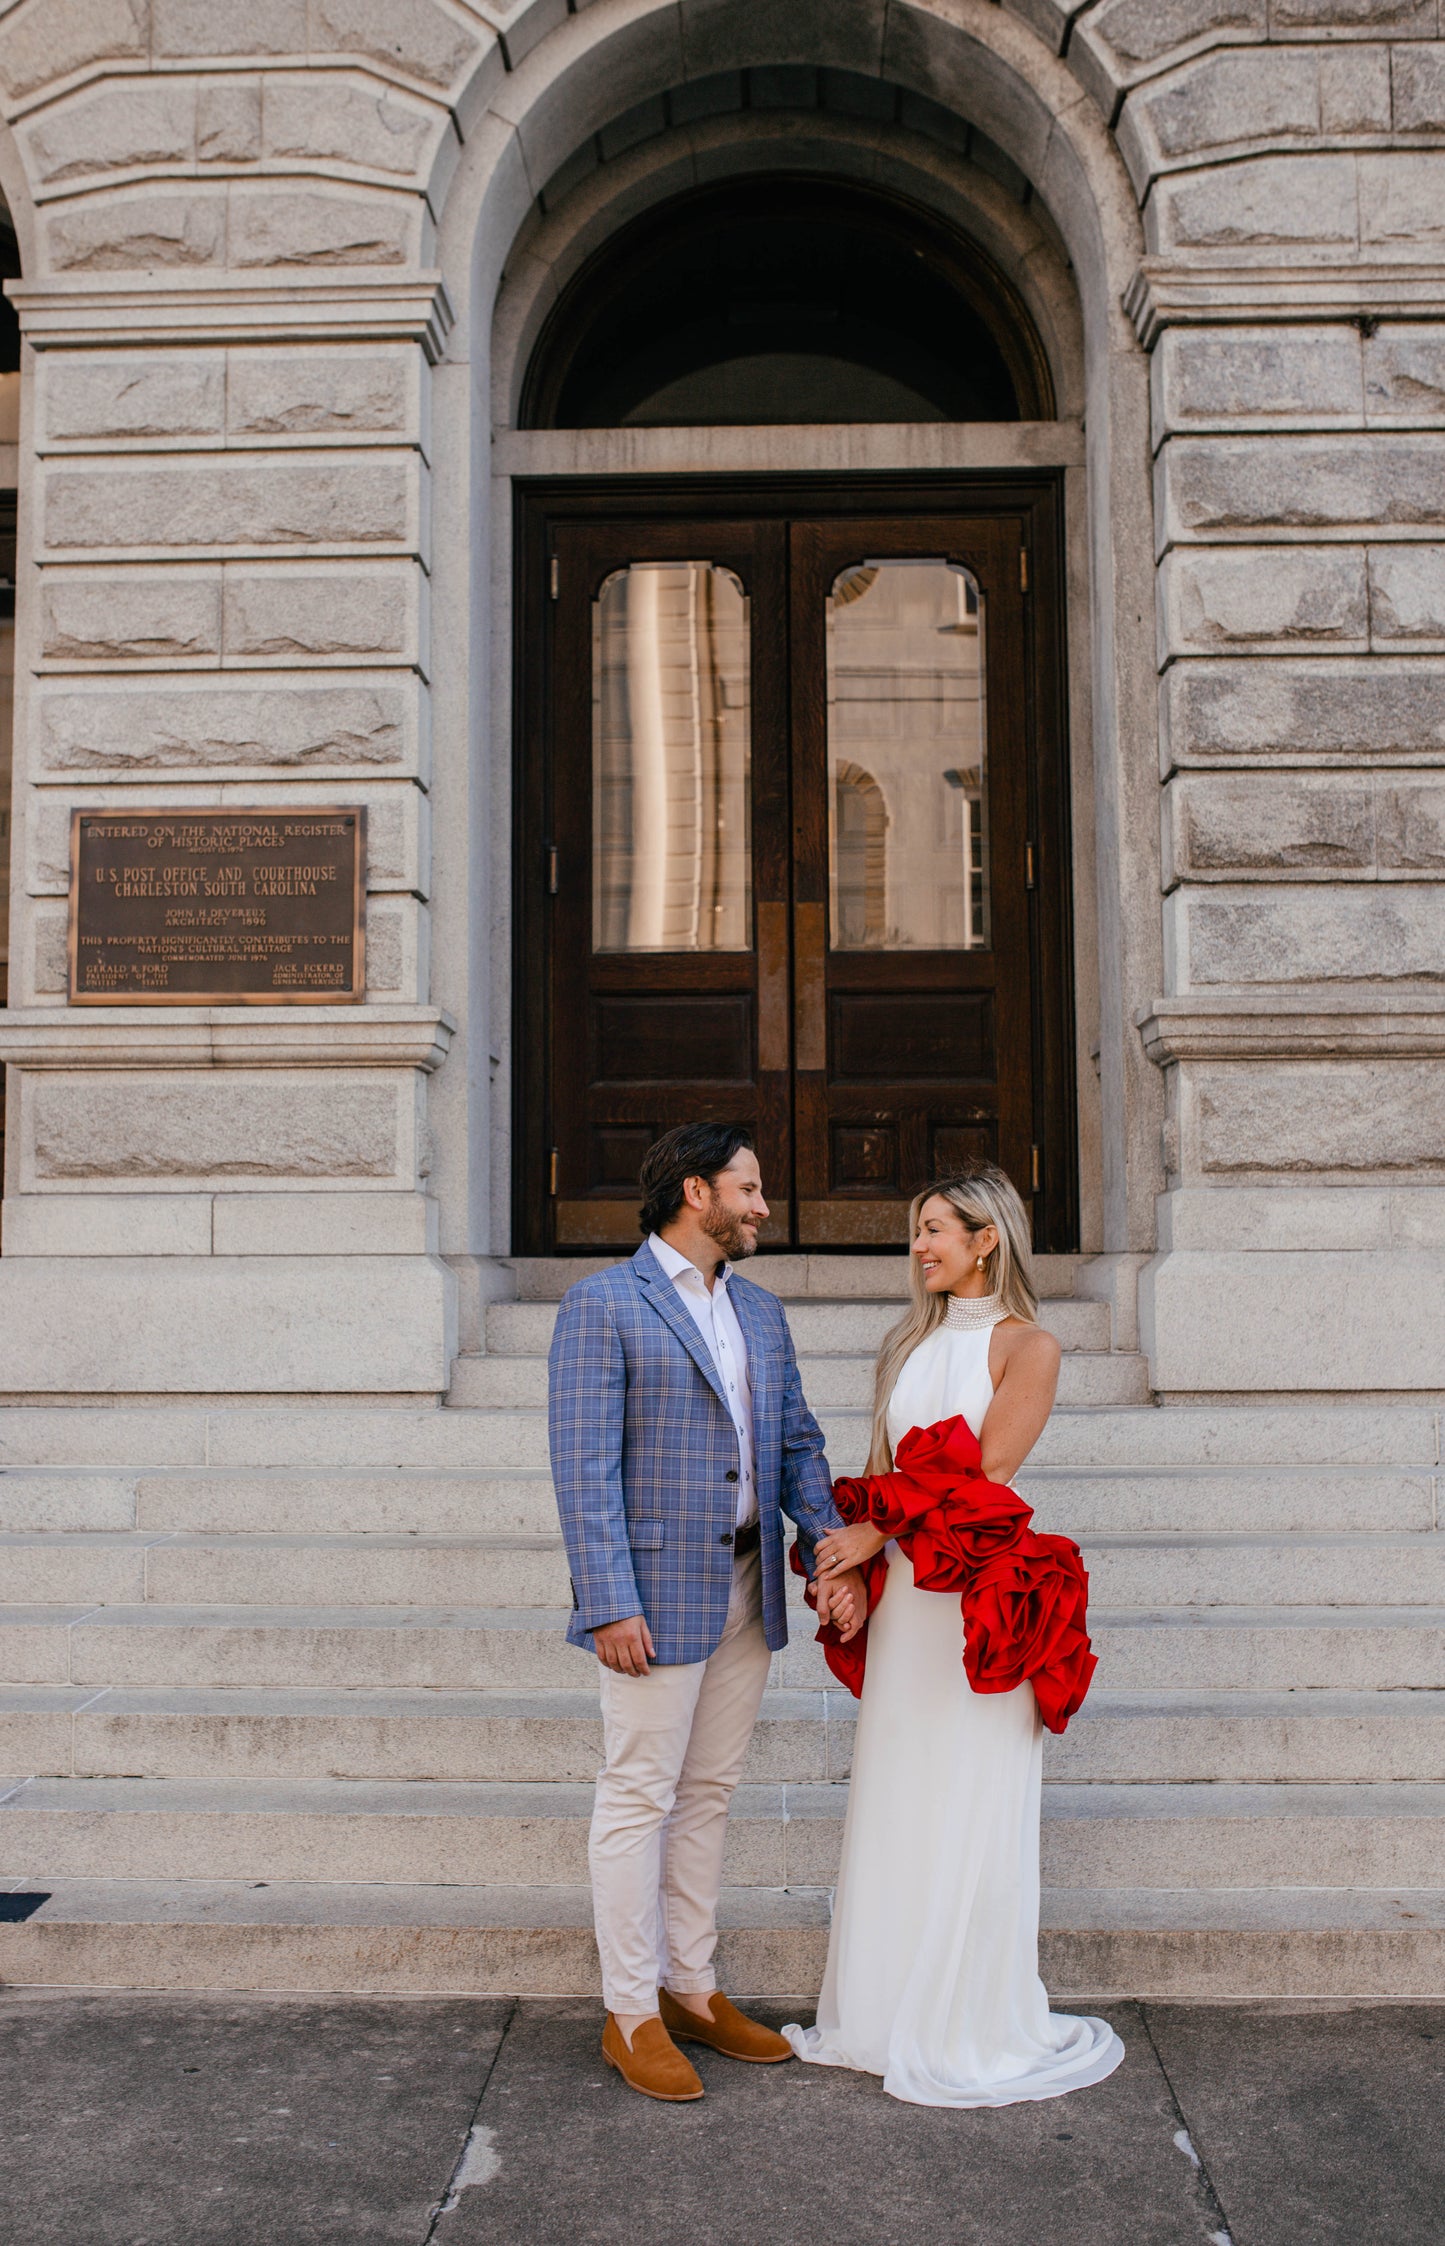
{"x": 918, "y": 1046}
{"x": 876, "y": 1036}
{"x": 651, "y": 1027}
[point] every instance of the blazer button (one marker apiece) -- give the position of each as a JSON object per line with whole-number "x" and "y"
{"x": 731, "y": 1474}
{"x": 726, "y": 1537}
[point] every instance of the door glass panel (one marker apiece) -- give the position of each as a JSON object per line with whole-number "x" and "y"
{"x": 671, "y": 848}
{"x": 907, "y": 760}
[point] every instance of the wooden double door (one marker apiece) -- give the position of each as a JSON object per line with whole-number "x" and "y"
{"x": 792, "y": 839}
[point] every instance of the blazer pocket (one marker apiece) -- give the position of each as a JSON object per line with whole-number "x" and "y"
{"x": 646, "y": 1536}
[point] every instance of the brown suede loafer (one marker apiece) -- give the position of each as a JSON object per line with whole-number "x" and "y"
{"x": 654, "y": 2065}
{"x": 728, "y": 2031}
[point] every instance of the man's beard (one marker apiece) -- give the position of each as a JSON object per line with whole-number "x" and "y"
{"x": 728, "y": 1231}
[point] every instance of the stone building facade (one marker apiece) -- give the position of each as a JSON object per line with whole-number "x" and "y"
{"x": 265, "y": 1334}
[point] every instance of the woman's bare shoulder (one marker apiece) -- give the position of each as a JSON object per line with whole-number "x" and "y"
{"x": 1028, "y": 1345}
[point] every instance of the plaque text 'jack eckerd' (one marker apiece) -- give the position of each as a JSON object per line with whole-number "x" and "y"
{"x": 217, "y": 908}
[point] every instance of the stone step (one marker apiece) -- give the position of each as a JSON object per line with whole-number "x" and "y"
{"x": 507, "y": 1383}
{"x": 458, "y": 1649}
{"x": 1263, "y": 1649}
{"x": 1173, "y": 1944}
{"x": 359, "y": 1571}
{"x": 1307, "y": 1571}
{"x": 75, "y": 1501}
{"x": 819, "y": 1329}
{"x": 428, "y": 1501}
{"x": 797, "y": 1278}
{"x": 460, "y": 1834}
{"x": 1282, "y": 1500}
{"x": 376, "y": 1939}
{"x": 383, "y": 1569}
{"x": 1119, "y": 1737}
{"x": 77, "y": 1570}
{"x": 341, "y": 1649}
{"x": 542, "y": 1737}
{"x": 377, "y": 1439}
{"x": 382, "y": 1940}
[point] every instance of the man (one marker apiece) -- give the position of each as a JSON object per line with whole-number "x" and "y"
{"x": 678, "y": 1430}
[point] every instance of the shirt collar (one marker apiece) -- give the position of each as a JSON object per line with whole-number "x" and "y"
{"x": 678, "y": 1266}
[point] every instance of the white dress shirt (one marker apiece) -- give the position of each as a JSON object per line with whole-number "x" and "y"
{"x": 717, "y": 1322}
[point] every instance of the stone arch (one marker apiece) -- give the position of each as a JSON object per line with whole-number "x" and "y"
{"x": 1016, "y": 237}
{"x": 979, "y": 64}
{"x": 915, "y": 311}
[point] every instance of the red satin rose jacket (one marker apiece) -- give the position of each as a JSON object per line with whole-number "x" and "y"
{"x": 1024, "y": 1596}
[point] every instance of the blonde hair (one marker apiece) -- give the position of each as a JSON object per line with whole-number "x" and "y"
{"x": 979, "y": 1196}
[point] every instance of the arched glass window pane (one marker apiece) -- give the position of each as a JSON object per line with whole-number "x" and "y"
{"x": 671, "y": 848}
{"x": 907, "y": 760}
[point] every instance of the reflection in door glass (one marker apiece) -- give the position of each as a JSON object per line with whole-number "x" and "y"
{"x": 671, "y": 859}
{"x": 907, "y": 760}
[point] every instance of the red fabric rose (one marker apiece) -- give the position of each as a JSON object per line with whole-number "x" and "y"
{"x": 949, "y": 1447}
{"x": 887, "y": 1501}
{"x": 966, "y": 1518}
{"x": 1023, "y": 1596}
{"x": 1024, "y": 1615}
{"x": 979, "y": 1522}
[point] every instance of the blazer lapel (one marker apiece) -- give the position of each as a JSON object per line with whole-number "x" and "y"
{"x": 659, "y": 1290}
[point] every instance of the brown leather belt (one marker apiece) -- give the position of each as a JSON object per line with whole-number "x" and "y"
{"x": 747, "y": 1540}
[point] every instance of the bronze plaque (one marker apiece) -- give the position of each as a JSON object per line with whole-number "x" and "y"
{"x": 217, "y": 908}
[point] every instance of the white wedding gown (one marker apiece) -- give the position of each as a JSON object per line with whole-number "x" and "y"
{"x": 932, "y": 1979}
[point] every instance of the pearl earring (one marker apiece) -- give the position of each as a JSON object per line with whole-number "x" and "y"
{"x": 980, "y": 1263}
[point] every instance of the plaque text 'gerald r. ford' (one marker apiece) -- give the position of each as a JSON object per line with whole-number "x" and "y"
{"x": 217, "y": 908}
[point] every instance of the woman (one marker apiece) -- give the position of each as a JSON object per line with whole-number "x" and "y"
{"x": 932, "y": 1977}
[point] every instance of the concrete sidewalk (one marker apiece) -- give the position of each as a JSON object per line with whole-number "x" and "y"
{"x": 151, "y": 2120}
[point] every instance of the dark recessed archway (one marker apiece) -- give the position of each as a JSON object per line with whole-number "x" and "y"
{"x": 786, "y": 300}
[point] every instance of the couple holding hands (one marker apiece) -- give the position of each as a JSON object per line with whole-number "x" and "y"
{"x": 680, "y": 1436}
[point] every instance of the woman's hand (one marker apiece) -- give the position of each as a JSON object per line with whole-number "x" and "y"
{"x": 847, "y": 1548}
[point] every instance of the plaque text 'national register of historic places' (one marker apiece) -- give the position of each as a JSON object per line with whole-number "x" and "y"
{"x": 217, "y": 908}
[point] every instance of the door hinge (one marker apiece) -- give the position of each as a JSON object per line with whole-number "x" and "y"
{"x": 552, "y": 1173}
{"x": 1023, "y": 570}
{"x": 554, "y": 577}
{"x": 1033, "y": 1172}
{"x": 552, "y": 870}
{"x": 1028, "y": 865}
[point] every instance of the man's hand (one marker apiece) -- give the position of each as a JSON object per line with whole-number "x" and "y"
{"x": 843, "y": 1601}
{"x": 625, "y": 1647}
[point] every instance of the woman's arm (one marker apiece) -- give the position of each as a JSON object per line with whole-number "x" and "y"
{"x": 1025, "y": 1384}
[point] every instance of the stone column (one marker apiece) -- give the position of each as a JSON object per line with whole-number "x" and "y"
{"x": 1291, "y": 176}
{"x": 224, "y": 601}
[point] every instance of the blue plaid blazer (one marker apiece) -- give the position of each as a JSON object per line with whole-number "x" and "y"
{"x": 645, "y": 1457}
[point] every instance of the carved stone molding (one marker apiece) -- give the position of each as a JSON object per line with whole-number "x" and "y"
{"x": 226, "y": 1037}
{"x": 1269, "y": 1028}
{"x": 1165, "y": 294}
{"x": 94, "y": 310}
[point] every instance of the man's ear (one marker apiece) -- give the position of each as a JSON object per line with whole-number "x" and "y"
{"x": 695, "y": 1192}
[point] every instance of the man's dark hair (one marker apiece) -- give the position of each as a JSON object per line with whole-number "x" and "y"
{"x": 693, "y": 1150}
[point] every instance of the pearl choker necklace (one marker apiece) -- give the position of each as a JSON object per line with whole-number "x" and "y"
{"x": 970, "y": 1314}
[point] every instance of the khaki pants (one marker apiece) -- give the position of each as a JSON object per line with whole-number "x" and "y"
{"x": 675, "y": 1742}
